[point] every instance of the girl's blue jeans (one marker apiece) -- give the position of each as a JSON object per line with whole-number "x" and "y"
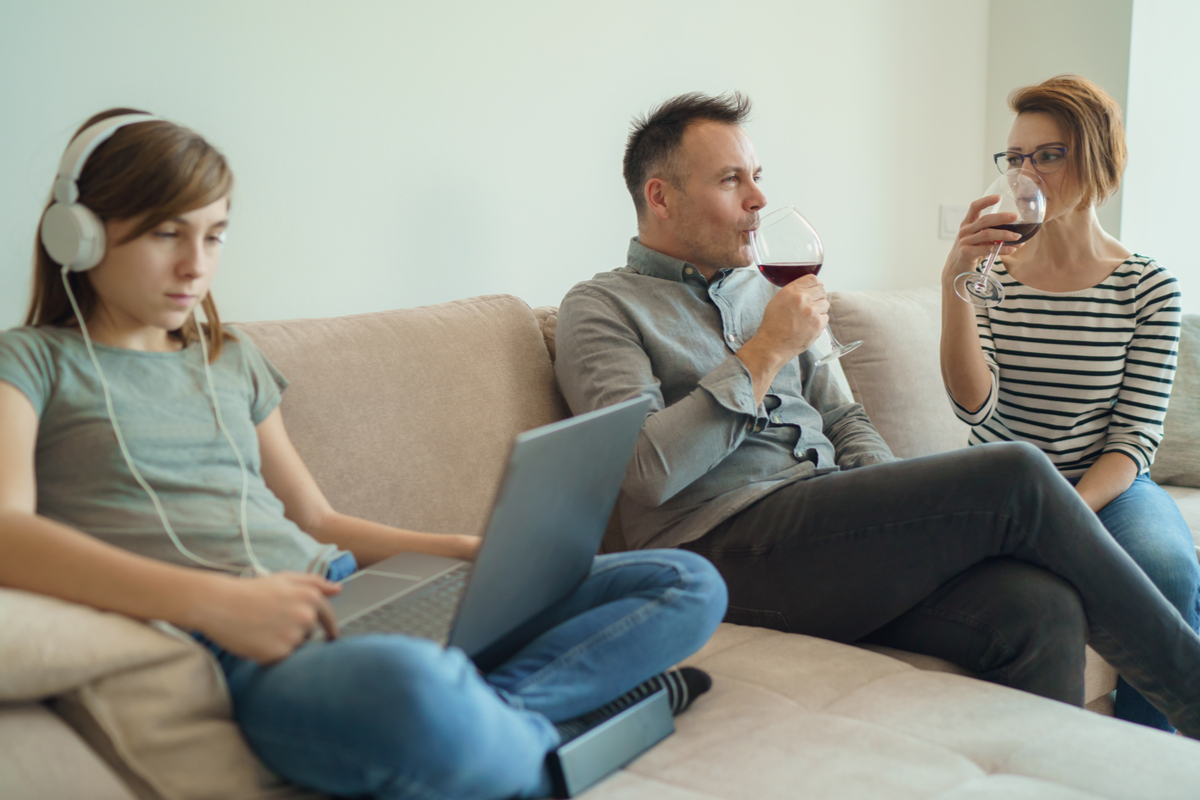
{"x": 390, "y": 716}
{"x": 1146, "y": 522}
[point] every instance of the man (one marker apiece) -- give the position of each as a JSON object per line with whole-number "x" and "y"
{"x": 753, "y": 458}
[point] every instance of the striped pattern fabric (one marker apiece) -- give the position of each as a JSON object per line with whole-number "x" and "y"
{"x": 1080, "y": 374}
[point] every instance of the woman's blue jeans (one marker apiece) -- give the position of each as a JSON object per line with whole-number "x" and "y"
{"x": 390, "y": 716}
{"x": 1146, "y": 522}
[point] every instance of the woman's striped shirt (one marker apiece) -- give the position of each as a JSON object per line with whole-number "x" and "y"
{"x": 1084, "y": 373}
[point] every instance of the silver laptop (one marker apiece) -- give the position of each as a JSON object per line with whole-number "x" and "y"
{"x": 547, "y": 521}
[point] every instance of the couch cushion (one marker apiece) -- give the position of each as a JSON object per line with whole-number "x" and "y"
{"x": 896, "y": 374}
{"x": 40, "y": 758}
{"x": 547, "y": 317}
{"x": 153, "y": 705}
{"x": 793, "y": 716}
{"x": 1098, "y": 682}
{"x": 1177, "y": 461}
{"x": 426, "y": 399}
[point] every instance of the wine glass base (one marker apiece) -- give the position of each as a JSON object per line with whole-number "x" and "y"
{"x": 979, "y": 290}
{"x": 837, "y": 352}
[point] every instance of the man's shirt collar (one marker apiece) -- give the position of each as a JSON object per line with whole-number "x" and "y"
{"x": 653, "y": 264}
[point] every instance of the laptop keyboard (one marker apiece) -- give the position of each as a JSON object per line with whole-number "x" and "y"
{"x": 427, "y": 613}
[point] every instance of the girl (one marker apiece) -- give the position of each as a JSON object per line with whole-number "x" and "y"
{"x": 1079, "y": 357}
{"x": 117, "y": 491}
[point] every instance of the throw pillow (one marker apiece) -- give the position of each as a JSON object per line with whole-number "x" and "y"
{"x": 1177, "y": 461}
{"x": 896, "y": 374}
{"x": 153, "y": 705}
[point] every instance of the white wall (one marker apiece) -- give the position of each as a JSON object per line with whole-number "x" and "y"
{"x": 1031, "y": 40}
{"x": 394, "y": 154}
{"x": 1159, "y": 217}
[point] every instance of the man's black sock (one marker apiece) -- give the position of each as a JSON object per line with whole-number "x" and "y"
{"x": 683, "y": 685}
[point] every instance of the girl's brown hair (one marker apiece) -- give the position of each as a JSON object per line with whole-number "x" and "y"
{"x": 155, "y": 170}
{"x": 1091, "y": 121}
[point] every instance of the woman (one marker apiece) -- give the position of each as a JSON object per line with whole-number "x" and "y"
{"x": 380, "y": 716}
{"x": 1079, "y": 357}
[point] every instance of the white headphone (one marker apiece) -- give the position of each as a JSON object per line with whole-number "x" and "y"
{"x": 71, "y": 232}
{"x": 74, "y": 237}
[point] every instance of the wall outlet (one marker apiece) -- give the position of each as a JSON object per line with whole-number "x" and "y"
{"x": 951, "y": 218}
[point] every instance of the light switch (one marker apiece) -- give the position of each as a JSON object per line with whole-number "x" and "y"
{"x": 951, "y": 218}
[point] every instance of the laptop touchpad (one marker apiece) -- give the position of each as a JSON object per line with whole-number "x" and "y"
{"x": 365, "y": 590}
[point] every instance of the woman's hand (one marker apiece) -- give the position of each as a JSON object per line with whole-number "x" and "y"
{"x": 264, "y": 619}
{"x": 964, "y": 368}
{"x": 976, "y": 238}
{"x": 1107, "y": 479}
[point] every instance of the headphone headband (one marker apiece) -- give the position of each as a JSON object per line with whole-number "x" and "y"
{"x": 70, "y": 232}
{"x": 65, "y": 188}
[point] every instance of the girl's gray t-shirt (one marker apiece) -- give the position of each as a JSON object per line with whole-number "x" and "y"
{"x": 163, "y": 405}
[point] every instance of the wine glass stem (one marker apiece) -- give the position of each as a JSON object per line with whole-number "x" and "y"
{"x": 991, "y": 259}
{"x": 832, "y": 339}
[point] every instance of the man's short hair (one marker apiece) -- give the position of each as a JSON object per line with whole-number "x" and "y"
{"x": 654, "y": 144}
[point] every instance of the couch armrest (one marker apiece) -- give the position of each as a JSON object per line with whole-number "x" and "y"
{"x": 40, "y": 757}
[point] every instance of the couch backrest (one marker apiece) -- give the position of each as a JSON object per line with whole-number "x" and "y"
{"x": 406, "y": 417}
{"x": 896, "y": 374}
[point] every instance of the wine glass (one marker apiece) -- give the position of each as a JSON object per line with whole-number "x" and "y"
{"x": 785, "y": 248}
{"x": 1020, "y": 193}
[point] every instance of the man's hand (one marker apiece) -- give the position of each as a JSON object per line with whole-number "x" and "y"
{"x": 792, "y": 321}
{"x": 265, "y": 619}
{"x": 794, "y": 318}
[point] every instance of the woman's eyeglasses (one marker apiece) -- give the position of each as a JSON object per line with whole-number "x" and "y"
{"x": 1045, "y": 160}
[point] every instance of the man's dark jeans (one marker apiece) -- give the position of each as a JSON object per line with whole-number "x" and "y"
{"x": 984, "y": 556}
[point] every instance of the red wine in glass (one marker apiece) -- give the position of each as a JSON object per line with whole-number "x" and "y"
{"x": 1026, "y": 229}
{"x": 1019, "y": 193}
{"x": 785, "y": 247}
{"x": 784, "y": 272}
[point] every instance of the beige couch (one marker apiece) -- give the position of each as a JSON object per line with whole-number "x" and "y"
{"x": 405, "y": 417}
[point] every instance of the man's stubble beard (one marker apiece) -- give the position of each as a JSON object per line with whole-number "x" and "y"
{"x": 708, "y": 251}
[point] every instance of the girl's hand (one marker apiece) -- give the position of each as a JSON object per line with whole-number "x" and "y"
{"x": 264, "y": 619}
{"x": 977, "y": 236}
{"x": 466, "y": 547}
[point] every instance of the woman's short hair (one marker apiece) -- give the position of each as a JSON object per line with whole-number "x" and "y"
{"x": 1091, "y": 121}
{"x": 155, "y": 170}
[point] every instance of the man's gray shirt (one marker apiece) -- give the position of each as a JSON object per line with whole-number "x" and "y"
{"x": 656, "y": 327}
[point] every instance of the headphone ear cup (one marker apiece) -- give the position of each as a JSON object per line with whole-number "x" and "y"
{"x": 73, "y": 236}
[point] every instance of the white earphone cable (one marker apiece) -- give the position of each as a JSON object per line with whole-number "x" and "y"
{"x": 259, "y": 569}
{"x": 137, "y": 475}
